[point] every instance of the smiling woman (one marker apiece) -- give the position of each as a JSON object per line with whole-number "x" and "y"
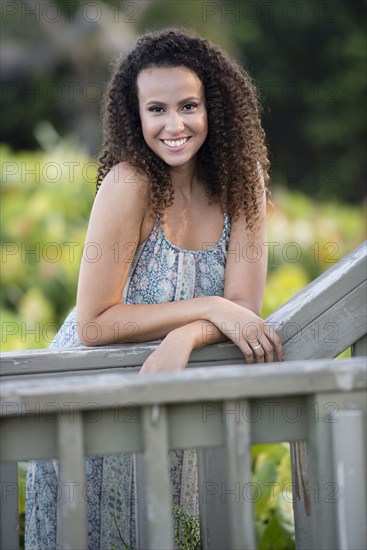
{"x": 181, "y": 184}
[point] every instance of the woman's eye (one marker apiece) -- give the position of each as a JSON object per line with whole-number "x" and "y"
{"x": 155, "y": 109}
{"x": 189, "y": 106}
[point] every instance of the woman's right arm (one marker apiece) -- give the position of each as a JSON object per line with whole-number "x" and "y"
{"x": 111, "y": 241}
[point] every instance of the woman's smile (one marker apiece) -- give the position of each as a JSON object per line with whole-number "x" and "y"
{"x": 175, "y": 144}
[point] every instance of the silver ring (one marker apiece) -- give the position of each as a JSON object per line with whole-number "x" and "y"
{"x": 257, "y": 347}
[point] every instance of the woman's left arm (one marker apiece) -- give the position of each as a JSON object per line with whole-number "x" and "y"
{"x": 247, "y": 262}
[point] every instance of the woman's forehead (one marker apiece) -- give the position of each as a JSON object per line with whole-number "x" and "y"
{"x": 169, "y": 80}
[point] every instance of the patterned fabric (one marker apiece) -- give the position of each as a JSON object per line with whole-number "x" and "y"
{"x": 160, "y": 272}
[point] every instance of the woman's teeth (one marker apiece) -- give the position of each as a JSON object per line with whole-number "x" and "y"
{"x": 176, "y": 143}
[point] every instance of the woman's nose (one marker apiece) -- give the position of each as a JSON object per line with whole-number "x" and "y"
{"x": 174, "y": 123}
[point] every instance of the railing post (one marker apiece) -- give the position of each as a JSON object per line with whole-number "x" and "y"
{"x": 9, "y": 532}
{"x": 213, "y": 519}
{"x": 72, "y": 483}
{"x": 349, "y": 470}
{"x": 140, "y": 496}
{"x": 321, "y": 478}
{"x": 337, "y": 445}
{"x": 158, "y": 491}
{"x": 359, "y": 348}
{"x": 238, "y": 439}
{"x": 226, "y": 516}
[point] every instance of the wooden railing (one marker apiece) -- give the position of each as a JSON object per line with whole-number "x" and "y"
{"x": 325, "y": 318}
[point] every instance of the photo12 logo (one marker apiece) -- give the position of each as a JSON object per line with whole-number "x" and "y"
{"x": 71, "y": 11}
{"x": 271, "y": 11}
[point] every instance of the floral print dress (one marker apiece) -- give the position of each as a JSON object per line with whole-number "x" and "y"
{"x": 160, "y": 272}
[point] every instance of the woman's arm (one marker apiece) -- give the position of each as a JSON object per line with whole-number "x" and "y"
{"x": 245, "y": 283}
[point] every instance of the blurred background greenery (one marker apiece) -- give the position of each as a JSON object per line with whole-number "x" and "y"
{"x": 308, "y": 59}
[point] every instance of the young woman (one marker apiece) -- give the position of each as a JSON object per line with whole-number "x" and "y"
{"x": 179, "y": 223}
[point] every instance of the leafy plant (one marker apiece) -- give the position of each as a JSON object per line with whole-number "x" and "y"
{"x": 273, "y": 507}
{"x": 186, "y": 529}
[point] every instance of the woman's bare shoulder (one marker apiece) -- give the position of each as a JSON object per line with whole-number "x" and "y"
{"x": 124, "y": 188}
{"x": 124, "y": 177}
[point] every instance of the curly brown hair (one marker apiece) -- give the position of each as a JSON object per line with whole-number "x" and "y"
{"x": 234, "y": 154}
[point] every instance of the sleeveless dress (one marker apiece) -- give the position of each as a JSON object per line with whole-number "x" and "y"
{"x": 160, "y": 272}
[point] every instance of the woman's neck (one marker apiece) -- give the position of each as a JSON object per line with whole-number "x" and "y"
{"x": 185, "y": 180}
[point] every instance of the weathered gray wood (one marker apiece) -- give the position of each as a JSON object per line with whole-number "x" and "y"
{"x": 118, "y": 429}
{"x": 348, "y": 438}
{"x": 326, "y": 411}
{"x": 142, "y": 535}
{"x": 37, "y": 435}
{"x": 21, "y": 399}
{"x": 269, "y": 389}
{"x": 333, "y": 331}
{"x": 158, "y": 495}
{"x": 120, "y": 356}
{"x": 225, "y": 474}
{"x": 214, "y": 520}
{"x": 321, "y": 477}
{"x": 323, "y": 292}
{"x": 72, "y": 510}
{"x": 199, "y": 416}
{"x": 280, "y": 418}
{"x": 217, "y": 383}
{"x": 238, "y": 439}
{"x": 9, "y": 521}
{"x": 359, "y": 348}
{"x": 202, "y": 486}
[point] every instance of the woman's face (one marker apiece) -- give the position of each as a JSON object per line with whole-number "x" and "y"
{"x": 172, "y": 113}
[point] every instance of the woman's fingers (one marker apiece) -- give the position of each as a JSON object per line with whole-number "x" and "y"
{"x": 247, "y": 352}
{"x": 257, "y": 340}
{"x": 258, "y": 351}
{"x": 263, "y": 345}
{"x": 275, "y": 341}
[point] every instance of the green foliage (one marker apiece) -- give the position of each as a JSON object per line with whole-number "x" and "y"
{"x": 44, "y": 220}
{"x": 273, "y": 497}
{"x": 186, "y": 529}
{"x": 305, "y": 238}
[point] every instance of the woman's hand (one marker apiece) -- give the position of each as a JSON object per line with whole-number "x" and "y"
{"x": 247, "y": 330}
{"x": 172, "y": 354}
